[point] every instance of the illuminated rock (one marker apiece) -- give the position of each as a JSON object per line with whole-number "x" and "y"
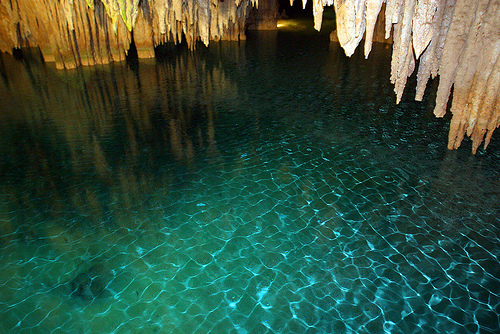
{"x": 458, "y": 40}
{"x": 351, "y": 23}
{"x": 77, "y": 32}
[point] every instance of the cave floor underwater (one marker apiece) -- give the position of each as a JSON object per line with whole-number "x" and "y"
{"x": 264, "y": 186}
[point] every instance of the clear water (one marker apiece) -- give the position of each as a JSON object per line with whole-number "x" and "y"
{"x": 270, "y": 186}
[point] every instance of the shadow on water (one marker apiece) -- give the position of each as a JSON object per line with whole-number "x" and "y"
{"x": 257, "y": 186}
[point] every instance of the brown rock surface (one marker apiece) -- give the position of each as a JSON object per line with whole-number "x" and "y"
{"x": 79, "y": 32}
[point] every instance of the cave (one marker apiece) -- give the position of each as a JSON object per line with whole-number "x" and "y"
{"x": 258, "y": 166}
{"x": 454, "y": 39}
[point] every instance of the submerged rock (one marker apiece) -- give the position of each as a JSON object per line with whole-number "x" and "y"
{"x": 90, "y": 283}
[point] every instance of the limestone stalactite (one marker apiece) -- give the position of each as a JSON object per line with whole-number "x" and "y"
{"x": 459, "y": 40}
{"x": 86, "y": 32}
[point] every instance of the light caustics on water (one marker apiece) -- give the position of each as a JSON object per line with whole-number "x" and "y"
{"x": 197, "y": 195}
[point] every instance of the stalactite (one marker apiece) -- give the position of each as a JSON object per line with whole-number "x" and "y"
{"x": 403, "y": 61}
{"x": 85, "y": 32}
{"x": 459, "y": 40}
{"x": 478, "y": 54}
{"x": 372, "y": 10}
{"x": 429, "y": 61}
{"x": 350, "y": 17}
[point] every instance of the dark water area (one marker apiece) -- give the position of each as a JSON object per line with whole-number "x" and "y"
{"x": 264, "y": 186}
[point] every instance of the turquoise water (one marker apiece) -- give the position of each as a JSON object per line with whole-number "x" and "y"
{"x": 267, "y": 186}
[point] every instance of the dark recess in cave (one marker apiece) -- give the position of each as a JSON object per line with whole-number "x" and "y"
{"x": 295, "y": 11}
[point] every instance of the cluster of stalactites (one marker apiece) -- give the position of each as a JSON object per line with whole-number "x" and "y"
{"x": 457, "y": 39}
{"x": 87, "y": 32}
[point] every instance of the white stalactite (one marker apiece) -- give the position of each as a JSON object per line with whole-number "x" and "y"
{"x": 372, "y": 10}
{"x": 317, "y": 13}
{"x": 351, "y": 23}
{"x": 457, "y": 39}
{"x": 403, "y": 61}
{"x": 422, "y": 25}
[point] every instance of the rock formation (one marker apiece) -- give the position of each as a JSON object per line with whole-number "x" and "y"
{"x": 459, "y": 40}
{"x": 90, "y": 283}
{"x": 77, "y": 32}
{"x": 265, "y": 17}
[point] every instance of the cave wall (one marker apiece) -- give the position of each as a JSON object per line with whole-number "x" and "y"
{"x": 265, "y": 17}
{"x": 459, "y": 40}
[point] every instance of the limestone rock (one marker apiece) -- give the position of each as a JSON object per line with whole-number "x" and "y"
{"x": 85, "y": 32}
{"x": 265, "y": 17}
{"x": 372, "y": 10}
{"x": 351, "y": 23}
{"x": 423, "y": 29}
{"x": 455, "y": 39}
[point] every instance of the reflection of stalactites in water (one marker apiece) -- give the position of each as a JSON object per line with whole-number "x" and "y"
{"x": 175, "y": 140}
{"x": 7, "y": 228}
{"x": 87, "y": 203}
{"x": 180, "y": 142}
{"x": 128, "y": 188}
{"x": 189, "y": 151}
{"x": 133, "y": 155}
{"x": 212, "y": 151}
{"x": 100, "y": 163}
{"x": 100, "y": 141}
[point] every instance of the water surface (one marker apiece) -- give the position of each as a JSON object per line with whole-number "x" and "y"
{"x": 266, "y": 186}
